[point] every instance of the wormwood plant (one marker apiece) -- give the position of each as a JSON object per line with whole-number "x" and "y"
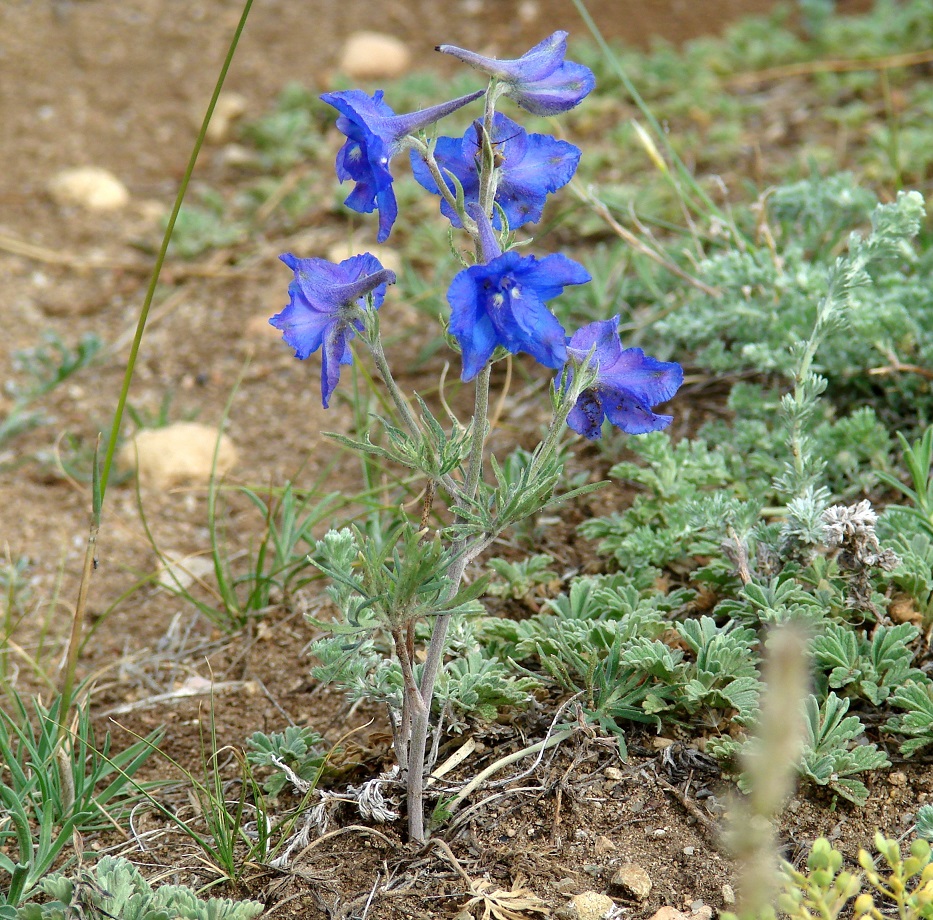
{"x": 388, "y": 578}
{"x": 114, "y": 887}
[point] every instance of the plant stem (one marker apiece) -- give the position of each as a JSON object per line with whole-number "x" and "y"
{"x": 163, "y": 249}
{"x": 420, "y": 715}
{"x": 374, "y": 342}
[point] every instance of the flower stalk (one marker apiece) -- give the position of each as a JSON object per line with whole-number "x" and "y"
{"x": 491, "y": 181}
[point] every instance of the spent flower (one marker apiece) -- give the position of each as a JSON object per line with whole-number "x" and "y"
{"x": 540, "y": 81}
{"x": 375, "y": 134}
{"x": 325, "y": 307}
{"x": 530, "y": 167}
{"x": 629, "y": 383}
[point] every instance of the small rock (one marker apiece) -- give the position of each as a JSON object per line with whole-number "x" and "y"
{"x": 728, "y": 895}
{"x": 528, "y": 11}
{"x": 902, "y": 609}
{"x": 177, "y": 574}
{"x": 604, "y": 845}
{"x": 259, "y": 329}
{"x": 632, "y": 880}
{"x": 897, "y": 778}
{"x": 689, "y": 851}
{"x": 613, "y": 773}
{"x": 591, "y": 905}
{"x": 387, "y": 256}
{"x": 374, "y": 56}
{"x": 668, "y": 913}
{"x": 704, "y": 912}
{"x": 230, "y": 106}
{"x": 176, "y": 454}
{"x": 89, "y": 187}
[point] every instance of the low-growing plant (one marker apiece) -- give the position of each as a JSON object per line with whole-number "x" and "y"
{"x": 886, "y": 883}
{"x": 45, "y": 366}
{"x": 114, "y": 887}
{"x": 834, "y": 748}
{"x": 918, "y": 458}
{"x": 50, "y": 787}
{"x": 298, "y": 748}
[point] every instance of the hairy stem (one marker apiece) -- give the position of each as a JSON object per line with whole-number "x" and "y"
{"x": 404, "y": 410}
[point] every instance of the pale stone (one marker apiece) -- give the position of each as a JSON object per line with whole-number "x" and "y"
{"x": 374, "y": 56}
{"x": 591, "y": 905}
{"x": 230, "y": 106}
{"x": 728, "y": 895}
{"x": 668, "y": 913}
{"x": 178, "y": 574}
{"x": 259, "y": 329}
{"x": 604, "y": 845}
{"x": 89, "y": 187}
{"x": 633, "y": 881}
{"x": 388, "y": 257}
{"x": 177, "y": 454}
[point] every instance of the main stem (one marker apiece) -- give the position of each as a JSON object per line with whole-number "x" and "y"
{"x": 421, "y": 715}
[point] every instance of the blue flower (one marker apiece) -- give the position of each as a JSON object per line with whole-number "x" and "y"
{"x": 503, "y": 303}
{"x": 540, "y": 81}
{"x": 374, "y": 135}
{"x": 324, "y": 310}
{"x": 629, "y": 383}
{"x": 530, "y": 167}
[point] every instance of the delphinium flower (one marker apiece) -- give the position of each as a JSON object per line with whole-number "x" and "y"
{"x": 540, "y": 81}
{"x": 375, "y": 134}
{"x": 325, "y": 306}
{"x": 628, "y": 385}
{"x": 502, "y": 302}
{"x": 529, "y": 166}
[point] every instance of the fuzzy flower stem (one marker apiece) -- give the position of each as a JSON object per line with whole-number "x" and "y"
{"x": 420, "y": 715}
{"x": 427, "y": 155}
{"x": 582, "y": 379}
{"x": 488, "y": 172}
{"x": 374, "y": 341}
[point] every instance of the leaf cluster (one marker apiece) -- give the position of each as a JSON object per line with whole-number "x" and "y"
{"x": 299, "y": 747}
{"x": 114, "y": 887}
{"x": 52, "y": 787}
{"x": 833, "y": 750}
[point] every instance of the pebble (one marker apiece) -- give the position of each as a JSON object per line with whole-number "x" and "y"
{"x": 230, "y": 106}
{"x": 632, "y": 880}
{"x": 728, "y": 895}
{"x": 388, "y": 257}
{"x": 177, "y": 454}
{"x": 259, "y": 329}
{"x": 88, "y": 187}
{"x": 175, "y": 575}
{"x": 604, "y": 845}
{"x": 689, "y": 851}
{"x": 613, "y": 773}
{"x": 897, "y": 778}
{"x": 668, "y": 913}
{"x": 374, "y": 56}
{"x": 590, "y": 905}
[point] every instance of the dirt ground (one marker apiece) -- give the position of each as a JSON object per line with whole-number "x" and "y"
{"x": 122, "y": 85}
